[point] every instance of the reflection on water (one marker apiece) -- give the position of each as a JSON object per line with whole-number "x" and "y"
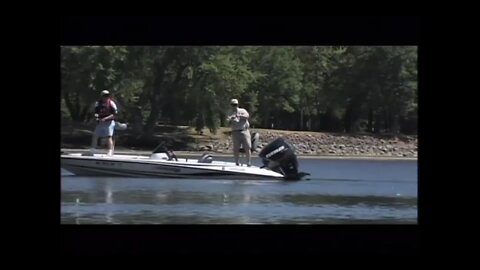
{"x": 238, "y": 205}
{"x": 387, "y": 198}
{"x": 178, "y": 197}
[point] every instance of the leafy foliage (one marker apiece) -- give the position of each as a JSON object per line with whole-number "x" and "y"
{"x": 322, "y": 88}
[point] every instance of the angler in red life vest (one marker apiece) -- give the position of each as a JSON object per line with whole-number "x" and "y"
{"x": 105, "y": 112}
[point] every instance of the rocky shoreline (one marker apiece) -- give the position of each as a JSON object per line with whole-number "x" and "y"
{"x": 314, "y": 144}
{"x": 325, "y": 144}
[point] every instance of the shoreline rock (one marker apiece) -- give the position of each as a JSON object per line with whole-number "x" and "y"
{"x": 305, "y": 143}
{"x": 344, "y": 145}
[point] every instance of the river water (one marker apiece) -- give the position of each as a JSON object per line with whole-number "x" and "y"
{"x": 338, "y": 191}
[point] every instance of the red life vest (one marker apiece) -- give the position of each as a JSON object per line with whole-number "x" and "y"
{"x": 104, "y": 109}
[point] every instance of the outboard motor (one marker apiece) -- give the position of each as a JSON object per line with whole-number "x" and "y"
{"x": 280, "y": 156}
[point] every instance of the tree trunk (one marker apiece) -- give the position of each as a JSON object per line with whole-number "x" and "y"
{"x": 153, "y": 117}
{"x": 396, "y": 125}
{"x": 301, "y": 119}
{"x": 376, "y": 124}
{"x": 69, "y": 105}
{"x": 173, "y": 95}
{"x": 276, "y": 120}
{"x": 266, "y": 120}
{"x": 137, "y": 119}
{"x": 386, "y": 125}
{"x": 370, "y": 120}
{"x": 348, "y": 119}
{"x": 84, "y": 114}
{"x": 73, "y": 107}
{"x": 160, "y": 67}
{"x": 77, "y": 107}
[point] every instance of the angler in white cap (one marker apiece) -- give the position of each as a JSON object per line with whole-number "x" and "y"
{"x": 238, "y": 120}
{"x": 105, "y": 112}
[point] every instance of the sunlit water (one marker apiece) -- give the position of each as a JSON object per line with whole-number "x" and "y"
{"x": 338, "y": 191}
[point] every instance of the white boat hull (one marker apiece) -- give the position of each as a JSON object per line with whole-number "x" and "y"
{"x": 144, "y": 166}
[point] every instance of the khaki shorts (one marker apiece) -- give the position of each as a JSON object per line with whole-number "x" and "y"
{"x": 241, "y": 138}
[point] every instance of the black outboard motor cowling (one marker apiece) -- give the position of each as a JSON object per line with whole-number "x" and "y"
{"x": 280, "y": 156}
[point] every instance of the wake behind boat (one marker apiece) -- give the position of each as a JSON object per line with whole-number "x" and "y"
{"x": 278, "y": 157}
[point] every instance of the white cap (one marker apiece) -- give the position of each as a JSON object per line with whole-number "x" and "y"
{"x": 234, "y": 101}
{"x": 105, "y": 92}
